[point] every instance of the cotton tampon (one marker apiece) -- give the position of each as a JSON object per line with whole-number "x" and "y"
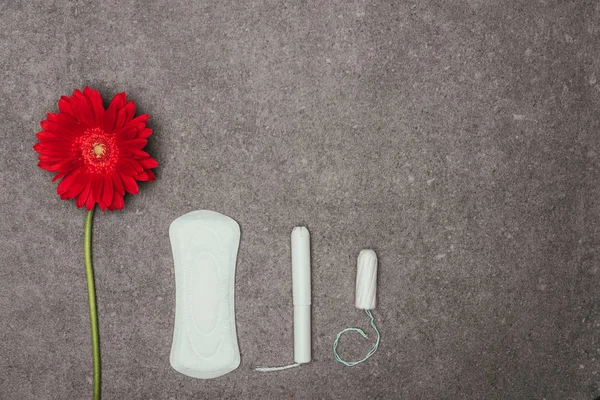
{"x": 301, "y": 293}
{"x": 366, "y": 280}
{"x": 365, "y": 299}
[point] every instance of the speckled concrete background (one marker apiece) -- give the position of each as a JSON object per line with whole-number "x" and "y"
{"x": 459, "y": 139}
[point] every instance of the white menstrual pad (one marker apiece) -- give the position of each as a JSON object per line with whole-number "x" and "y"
{"x": 205, "y": 245}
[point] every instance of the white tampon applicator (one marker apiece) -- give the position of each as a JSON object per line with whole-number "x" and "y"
{"x": 301, "y": 299}
{"x": 301, "y": 293}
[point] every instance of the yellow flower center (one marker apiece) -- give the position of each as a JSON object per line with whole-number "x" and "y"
{"x": 99, "y": 149}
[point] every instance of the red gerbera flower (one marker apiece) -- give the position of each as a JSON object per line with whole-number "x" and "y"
{"x": 97, "y": 152}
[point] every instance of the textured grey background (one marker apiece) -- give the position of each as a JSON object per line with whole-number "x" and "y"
{"x": 459, "y": 139}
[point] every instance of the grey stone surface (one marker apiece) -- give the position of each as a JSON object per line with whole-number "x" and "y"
{"x": 459, "y": 139}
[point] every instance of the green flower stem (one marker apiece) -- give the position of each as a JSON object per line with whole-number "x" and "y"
{"x": 89, "y": 275}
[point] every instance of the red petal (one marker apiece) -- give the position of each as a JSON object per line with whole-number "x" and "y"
{"x": 45, "y": 135}
{"x": 82, "y": 197}
{"x": 89, "y": 203}
{"x": 93, "y": 196}
{"x": 137, "y": 153}
{"x": 107, "y": 191}
{"x": 136, "y": 143}
{"x": 74, "y": 102}
{"x": 87, "y": 91}
{"x": 118, "y": 184}
{"x": 124, "y": 152}
{"x": 51, "y": 159}
{"x": 110, "y": 115}
{"x": 127, "y": 133}
{"x": 77, "y": 186}
{"x": 96, "y": 194}
{"x": 64, "y": 105}
{"x": 125, "y": 169}
{"x": 140, "y": 120}
{"x": 130, "y": 184}
{"x": 134, "y": 163}
{"x": 60, "y": 165}
{"x": 142, "y": 176}
{"x": 59, "y": 129}
{"x": 120, "y": 100}
{"x": 60, "y": 118}
{"x": 118, "y": 201}
{"x": 46, "y": 165}
{"x": 67, "y": 181}
{"x": 64, "y": 169}
{"x": 145, "y": 133}
{"x": 151, "y": 176}
{"x": 56, "y": 145}
{"x": 38, "y": 147}
{"x": 148, "y": 163}
{"x": 83, "y": 106}
{"x": 69, "y": 124}
{"x": 59, "y": 175}
{"x": 125, "y": 115}
{"x": 53, "y": 151}
{"x": 97, "y": 106}
{"x": 130, "y": 111}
